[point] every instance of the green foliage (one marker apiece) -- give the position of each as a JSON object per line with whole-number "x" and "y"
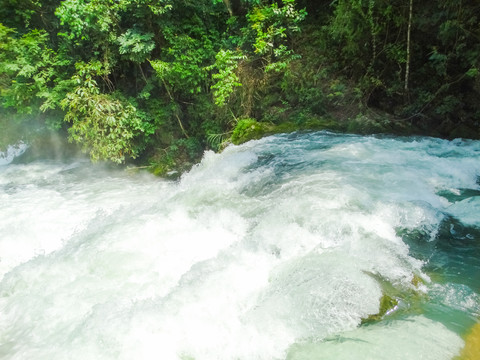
{"x": 136, "y": 46}
{"x": 183, "y": 71}
{"x": 259, "y": 54}
{"x": 31, "y": 73}
{"x": 356, "y": 30}
{"x": 249, "y": 129}
{"x": 176, "y": 158}
{"x": 86, "y": 20}
{"x": 129, "y": 77}
{"x": 104, "y": 124}
{"x": 100, "y": 20}
{"x": 27, "y": 15}
{"x": 226, "y": 79}
{"x": 369, "y": 42}
{"x": 86, "y": 70}
{"x": 272, "y": 26}
{"x": 217, "y": 141}
{"x": 472, "y": 73}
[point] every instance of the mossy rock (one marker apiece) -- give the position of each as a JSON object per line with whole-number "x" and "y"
{"x": 250, "y": 129}
{"x": 417, "y": 281}
{"x": 320, "y": 123}
{"x": 364, "y": 125}
{"x": 286, "y": 127}
{"x": 176, "y": 159}
{"x": 388, "y": 305}
{"x": 471, "y": 351}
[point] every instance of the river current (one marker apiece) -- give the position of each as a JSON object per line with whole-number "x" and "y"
{"x": 280, "y": 248}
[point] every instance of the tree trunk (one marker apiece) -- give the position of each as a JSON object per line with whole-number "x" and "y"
{"x": 235, "y": 7}
{"x": 407, "y": 65}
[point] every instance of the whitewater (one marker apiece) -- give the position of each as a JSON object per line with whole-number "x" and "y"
{"x": 279, "y": 248}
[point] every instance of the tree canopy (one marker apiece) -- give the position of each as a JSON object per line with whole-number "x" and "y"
{"x": 159, "y": 81}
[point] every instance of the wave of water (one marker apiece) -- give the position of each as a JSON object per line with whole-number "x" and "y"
{"x": 276, "y": 249}
{"x": 12, "y": 151}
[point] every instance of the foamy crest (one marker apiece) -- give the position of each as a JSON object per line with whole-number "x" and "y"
{"x": 12, "y": 151}
{"x": 274, "y": 249}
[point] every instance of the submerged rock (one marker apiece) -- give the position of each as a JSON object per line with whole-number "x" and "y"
{"x": 471, "y": 351}
{"x": 388, "y": 305}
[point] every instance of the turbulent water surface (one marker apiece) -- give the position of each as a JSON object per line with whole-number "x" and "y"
{"x": 276, "y": 249}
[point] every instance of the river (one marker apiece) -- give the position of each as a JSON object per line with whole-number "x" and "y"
{"x": 279, "y": 248}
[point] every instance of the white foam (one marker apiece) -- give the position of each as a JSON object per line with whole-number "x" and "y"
{"x": 13, "y": 151}
{"x": 413, "y": 338}
{"x": 263, "y": 246}
{"x": 468, "y": 211}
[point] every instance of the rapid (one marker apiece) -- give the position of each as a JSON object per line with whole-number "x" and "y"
{"x": 281, "y": 248}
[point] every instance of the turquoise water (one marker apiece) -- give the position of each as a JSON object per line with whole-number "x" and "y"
{"x": 276, "y": 249}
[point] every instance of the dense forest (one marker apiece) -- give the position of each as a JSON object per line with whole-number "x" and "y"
{"x": 155, "y": 83}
